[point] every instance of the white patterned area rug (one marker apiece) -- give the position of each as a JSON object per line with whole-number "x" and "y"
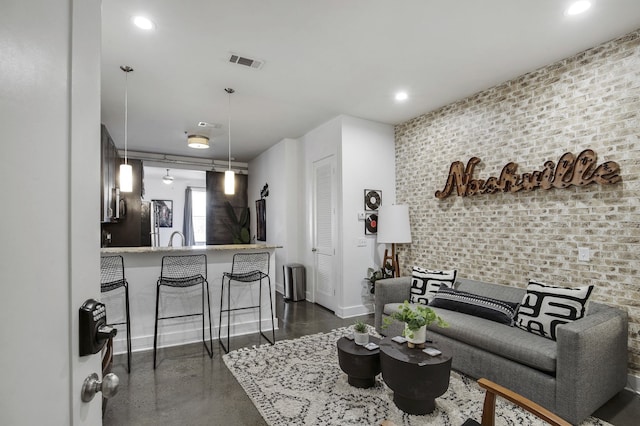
{"x": 299, "y": 382}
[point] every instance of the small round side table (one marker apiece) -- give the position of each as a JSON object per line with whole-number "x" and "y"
{"x": 361, "y": 365}
{"x": 416, "y": 378}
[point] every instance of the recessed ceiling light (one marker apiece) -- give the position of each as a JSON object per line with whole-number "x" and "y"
{"x": 578, "y": 7}
{"x": 401, "y": 96}
{"x": 144, "y": 23}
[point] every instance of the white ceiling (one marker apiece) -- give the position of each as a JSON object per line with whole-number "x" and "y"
{"x": 322, "y": 59}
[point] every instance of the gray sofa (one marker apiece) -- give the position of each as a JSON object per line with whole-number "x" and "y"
{"x": 572, "y": 376}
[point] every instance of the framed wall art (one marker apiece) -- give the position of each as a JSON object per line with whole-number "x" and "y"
{"x": 164, "y": 213}
{"x": 371, "y": 223}
{"x": 261, "y": 217}
{"x": 372, "y": 199}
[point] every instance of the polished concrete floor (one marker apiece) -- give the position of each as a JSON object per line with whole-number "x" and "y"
{"x": 189, "y": 388}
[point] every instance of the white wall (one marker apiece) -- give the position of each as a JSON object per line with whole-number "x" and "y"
{"x": 365, "y": 155}
{"x": 155, "y": 189}
{"x": 368, "y": 162}
{"x": 277, "y": 167}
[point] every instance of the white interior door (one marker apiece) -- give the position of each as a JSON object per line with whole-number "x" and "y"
{"x": 51, "y": 231}
{"x": 324, "y": 231}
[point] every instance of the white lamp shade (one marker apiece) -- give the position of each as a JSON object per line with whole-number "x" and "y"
{"x": 229, "y": 182}
{"x": 126, "y": 178}
{"x": 393, "y": 224}
{"x": 197, "y": 141}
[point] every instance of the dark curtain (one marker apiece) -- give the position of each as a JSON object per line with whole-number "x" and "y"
{"x": 187, "y": 223}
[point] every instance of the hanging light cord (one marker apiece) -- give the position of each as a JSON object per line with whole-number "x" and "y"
{"x": 127, "y": 69}
{"x": 229, "y": 91}
{"x": 126, "y": 113}
{"x": 229, "y": 130}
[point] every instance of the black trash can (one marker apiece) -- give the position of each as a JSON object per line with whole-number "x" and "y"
{"x": 295, "y": 284}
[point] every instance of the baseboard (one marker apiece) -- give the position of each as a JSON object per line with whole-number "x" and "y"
{"x": 354, "y": 311}
{"x": 633, "y": 383}
{"x": 185, "y": 337}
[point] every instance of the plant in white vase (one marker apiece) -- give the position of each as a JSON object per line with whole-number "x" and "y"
{"x": 360, "y": 333}
{"x": 416, "y": 319}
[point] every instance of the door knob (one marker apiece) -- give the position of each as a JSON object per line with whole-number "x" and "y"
{"x": 92, "y": 384}
{"x": 314, "y": 249}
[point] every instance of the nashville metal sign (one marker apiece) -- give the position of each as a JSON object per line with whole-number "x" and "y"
{"x": 570, "y": 170}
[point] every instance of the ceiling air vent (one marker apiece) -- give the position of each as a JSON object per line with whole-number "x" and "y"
{"x": 205, "y": 124}
{"x": 247, "y": 62}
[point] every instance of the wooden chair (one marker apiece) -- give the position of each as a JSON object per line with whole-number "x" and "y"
{"x": 489, "y": 408}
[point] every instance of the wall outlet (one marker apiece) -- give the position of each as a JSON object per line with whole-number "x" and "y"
{"x": 362, "y": 242}
{"x": 360, "y": 215}
{"x": 584, "y": 254}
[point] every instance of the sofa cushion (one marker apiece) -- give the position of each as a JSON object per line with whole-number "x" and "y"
{"x": 476, "y": 305}
{"x": 499, "y": 339}
{"x": 544, "y": 307}
{"x": 425, "y": 283}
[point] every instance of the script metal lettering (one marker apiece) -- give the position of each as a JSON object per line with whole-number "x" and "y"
{"x": 569, "y": 171}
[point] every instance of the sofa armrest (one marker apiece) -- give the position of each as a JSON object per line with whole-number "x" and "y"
{"x": 592, "y": 361}
{"x": 390, "y": 290}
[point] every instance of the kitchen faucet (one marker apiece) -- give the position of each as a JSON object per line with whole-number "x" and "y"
{"x": 172, "y": 235}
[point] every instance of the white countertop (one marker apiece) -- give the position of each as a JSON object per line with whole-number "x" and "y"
{"x": 178, "y": 249}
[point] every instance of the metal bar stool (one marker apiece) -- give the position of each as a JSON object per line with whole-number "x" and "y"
{"x": 184, "y": 271}
{"x": 111, "y": 278}
{"x": 247, "y": 268}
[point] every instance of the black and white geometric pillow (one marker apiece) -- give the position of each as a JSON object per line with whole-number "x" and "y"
{"x": 544, "y": 307}
{"x": 425, "y": 283}
{"x": 474, "y": 304}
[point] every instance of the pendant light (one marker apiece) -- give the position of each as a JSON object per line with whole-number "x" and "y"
{"x": 126, "y": 171}
{"x": 167, "y": 180}
{"x": 229, "y": 176}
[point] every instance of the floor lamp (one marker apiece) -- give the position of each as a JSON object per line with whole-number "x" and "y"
{"x": 393, "y": 228}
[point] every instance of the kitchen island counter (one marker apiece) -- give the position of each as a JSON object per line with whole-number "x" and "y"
{"x": 142, "y": 270}
{"x": 105, "y": 251}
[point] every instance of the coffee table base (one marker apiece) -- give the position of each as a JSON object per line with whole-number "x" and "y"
{"x": 365, "y": 383}
{"x": 414, "y": 406}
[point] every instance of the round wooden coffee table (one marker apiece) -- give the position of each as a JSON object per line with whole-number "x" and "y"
{"x": 416, "y": 378}
{"x": 361, "y": 365}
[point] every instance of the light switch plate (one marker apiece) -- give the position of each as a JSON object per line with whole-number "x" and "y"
{"x": 584, "y": 254}
{"x": 362, "y": 242}
{"x": 361, "y": 216}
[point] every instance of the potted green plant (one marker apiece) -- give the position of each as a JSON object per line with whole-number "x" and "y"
{"x": 238, "y": 226}
{"x": 416, "y": 319}
{"x": 360, "y": 333}
{"x": 374, "y": 275}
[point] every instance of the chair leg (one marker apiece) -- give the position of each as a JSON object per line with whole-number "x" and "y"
{"x": 228, "y": 316}
{"x": 155, "y": 333}
{"x": 210, "y": 325}
{"x": 204, "y": 342}
{"x": 226, "y": 350}
{"x": 126, "y": 304}
{"x": 260, "y": 309}
{"x": 273, "y": 327}
{"x": 273, "y": 330}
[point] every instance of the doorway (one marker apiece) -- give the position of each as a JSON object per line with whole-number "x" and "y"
{"x": 324, "y": 231}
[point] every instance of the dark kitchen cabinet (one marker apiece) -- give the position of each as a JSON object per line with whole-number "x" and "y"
{"x": 127, "y": 230}
{"x": 109, "y": 164}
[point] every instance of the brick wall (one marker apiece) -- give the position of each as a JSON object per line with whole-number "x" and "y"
{"x": 588, "y": 101}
